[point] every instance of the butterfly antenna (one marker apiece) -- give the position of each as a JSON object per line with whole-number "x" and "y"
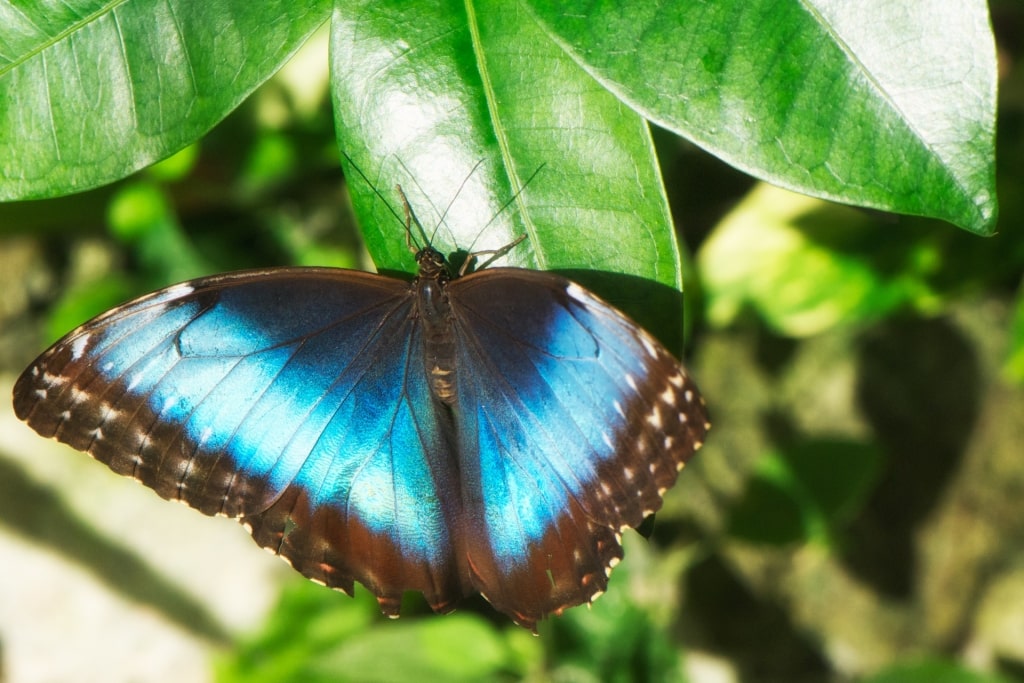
{"x": 462, "y": 185}
{"x": 495, "y": 254}
{"x": 429, "y": 239}
{"x": 372, "y": 186}
{"x": 513, "y": 198}
{"x": 410, "y": 218}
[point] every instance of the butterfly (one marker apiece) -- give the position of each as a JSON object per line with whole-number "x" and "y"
{"x": 489, "y": 433}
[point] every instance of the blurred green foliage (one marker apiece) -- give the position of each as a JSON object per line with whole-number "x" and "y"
{"x": 811, "y": 490}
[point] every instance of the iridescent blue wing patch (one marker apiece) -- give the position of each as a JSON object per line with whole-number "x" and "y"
{"x": 573, "y": 423}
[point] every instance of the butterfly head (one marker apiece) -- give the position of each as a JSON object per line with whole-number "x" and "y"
{"x": 432, "y": 264}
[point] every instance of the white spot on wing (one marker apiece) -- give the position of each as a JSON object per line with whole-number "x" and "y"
{"x": 578, "y": 293}
{"x": 179, "y": 290}
{"x": 652, "y": 350}
{"x": 109, "y": 411}
{"x": 654, "y": 419}
{"x": 78, "y": 346}
{"x": 54, "y": 380}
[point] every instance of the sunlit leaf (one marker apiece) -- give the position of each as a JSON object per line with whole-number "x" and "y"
{"x": 471, "y": 108}
{"x": 883, "y": 104}
{"x": 91, "y": 91}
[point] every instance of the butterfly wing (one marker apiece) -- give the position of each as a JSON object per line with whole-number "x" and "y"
{"x": 573, "y": 423}
{"x": 294, "y": 399}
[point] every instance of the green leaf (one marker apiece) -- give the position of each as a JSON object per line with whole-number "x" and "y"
{"x": 453, "y": 648}
{"x": 471, "y": 106}
{"x": 883, "y": 104}
{"x": 92, "y": 91}
{"x": 805, "y": 266}
{"x": 315, "y": 635}
{"x": 307, "y": 625}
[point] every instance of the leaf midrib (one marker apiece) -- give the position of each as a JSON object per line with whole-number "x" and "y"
{"x": 71, "y": 29}
{"x": 500, "y": 134}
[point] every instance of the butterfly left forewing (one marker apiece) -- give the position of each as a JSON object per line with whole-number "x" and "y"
{"x": 575, "y": 421}
{"x": 295, "y": 399}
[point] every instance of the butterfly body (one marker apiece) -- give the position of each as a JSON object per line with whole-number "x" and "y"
{"x": 489, "y": 433}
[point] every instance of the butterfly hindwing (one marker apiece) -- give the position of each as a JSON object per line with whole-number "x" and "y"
{"x": 295, "y": 399}
{"x": 573, "y": 422}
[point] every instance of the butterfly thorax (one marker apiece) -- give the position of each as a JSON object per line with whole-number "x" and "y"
{"x": 434, "y": 312}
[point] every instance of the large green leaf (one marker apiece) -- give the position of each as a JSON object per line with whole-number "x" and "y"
{"x": 91, "y": 91}
{"x": 881, "y": 103}
{"x": 462, "y": 104}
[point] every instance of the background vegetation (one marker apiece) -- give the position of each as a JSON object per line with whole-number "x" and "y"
{"x": 857, "y": 512}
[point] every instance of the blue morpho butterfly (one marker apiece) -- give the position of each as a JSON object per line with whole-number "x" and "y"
{"x": 489, "y": 433}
